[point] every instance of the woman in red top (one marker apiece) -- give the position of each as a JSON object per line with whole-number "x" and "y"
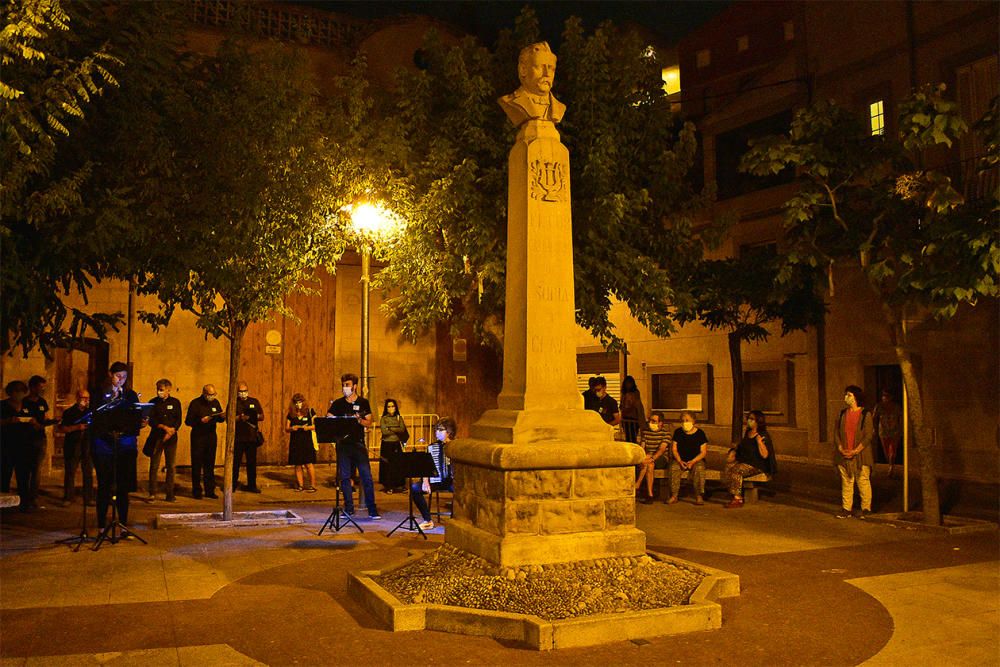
{"x": 853, "y": 456}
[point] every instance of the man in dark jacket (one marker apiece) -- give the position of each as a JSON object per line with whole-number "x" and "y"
{"x": 249, "y": 415}
{"x": 164, "y": 420}
{"x": 203, "y": 414}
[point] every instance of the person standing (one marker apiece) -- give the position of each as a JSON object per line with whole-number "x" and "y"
{"x": 164, "y": 420}
{"x": 689, "y": 451}
{"x": 394, "y": 437}
{"x": 444, "y": 433}
{"x": 76, "y": 449}
{"x": 38, "y": 408}
{"x": 889, "y": 420}
{"x": 632, "y": 410}
{"x": 15, "y": 438}
{"x": 753, "y": 456}
{"x": 249, "y": 415}
{"x": 853, "y": 456}
{"x": 115, "y": 474}
{"x": 301, "y": 445}
{"x": 351, "y": 451}
{"x": 203, "y": 414}
{"x": 597, "y": 399}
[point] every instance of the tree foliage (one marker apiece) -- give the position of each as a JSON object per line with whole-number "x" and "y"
{"x": 447, "y": 142}
{"x": 261, "y": 176}
{"x": 68, "y": 207}
{"x": 875, "y": 201}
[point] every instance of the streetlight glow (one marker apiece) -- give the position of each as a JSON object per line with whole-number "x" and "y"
{"x": 374, "y": 221}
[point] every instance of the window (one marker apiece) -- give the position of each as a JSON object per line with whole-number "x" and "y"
{"x": 676, "y": 388}
{"x": 876, "y": 115}
{"x": 703, "y": 58}
{"x": 672, "y": 79}
{"x": 768, "y": 387}
{"x": 730, "y": 148}
{"x": 762, "y": 391}
{"x": 742, "y": 43}
{"x": 789, "y": 31}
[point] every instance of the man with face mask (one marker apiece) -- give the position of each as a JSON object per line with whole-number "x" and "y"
{"x": 76, "y": 449}
{"x": 351, "y": 450}
{"x": 203, "y": 414}
{"x": 15, "y": 434}
{"x": 115, "y": 475}
{"x": 249, "y": 415}
{"x": 164, "y": 420}
{"x": 597, "y": 399}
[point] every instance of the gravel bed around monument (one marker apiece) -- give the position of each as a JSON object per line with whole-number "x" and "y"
{"x": 448, "y": 576}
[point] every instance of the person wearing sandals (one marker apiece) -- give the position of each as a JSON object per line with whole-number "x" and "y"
{"x": 394, "y": 437}
{"x": 655, "y": 441}
{"x": 301, "y": 450}
{"x": 688, "y": 452}
{"x": 753, "y": 456}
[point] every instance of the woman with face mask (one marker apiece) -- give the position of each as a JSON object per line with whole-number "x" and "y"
{"x": 655, "y": 440}
{"x": 689, "y": 450}
{"x": 753, "y": 456}
{"x": 853, "y": 455}
{"x": 301, "y": 451}
{"x": 394, "y": 438}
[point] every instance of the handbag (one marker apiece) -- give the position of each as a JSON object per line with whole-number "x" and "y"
{"x": 260, "y": 438}
{"x": 404, "y": 437}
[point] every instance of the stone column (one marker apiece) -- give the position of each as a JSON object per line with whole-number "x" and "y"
{"x": 540, "y": 479}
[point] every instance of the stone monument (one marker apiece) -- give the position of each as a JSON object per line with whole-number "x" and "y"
{"x": 540, "y": 479}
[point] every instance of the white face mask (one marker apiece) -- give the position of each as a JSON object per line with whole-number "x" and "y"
{"x": 162, "y": 393}
{"x": 243, "y": 394}
{"x": 687, "y": 426}
{"x": 441, "y": 434}
{"x": 654, "y": 426}
{"x": 298, "y": 406}
{"x": 348, "y": 391}
{"x": 391, "y": 409}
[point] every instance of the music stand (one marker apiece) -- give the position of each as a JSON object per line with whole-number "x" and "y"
{"x": 83, "y": 537}
{"x": 333, "y": 430}
{"x": 414, "y": 465}
{"x": 123, "y": 418}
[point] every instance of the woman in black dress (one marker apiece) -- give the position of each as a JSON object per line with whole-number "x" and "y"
{"x": 753, "y": 456}
{"x": 301, "y": 447}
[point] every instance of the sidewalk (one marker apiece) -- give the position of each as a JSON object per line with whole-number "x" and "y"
{"x": 277, "y": 596}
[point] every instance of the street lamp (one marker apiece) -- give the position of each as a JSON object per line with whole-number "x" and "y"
{"x": 372, "y": 223}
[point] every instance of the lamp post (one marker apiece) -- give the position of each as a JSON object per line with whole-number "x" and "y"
{"x": 371, "y": 222}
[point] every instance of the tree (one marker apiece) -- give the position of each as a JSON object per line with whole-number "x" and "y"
{"x": 874, "y": 201}
{"x": 261, "y": 180}
{"x": 65, "y": 202}
{"x": 447, "y": 142}
{"x": 741, "y": 296}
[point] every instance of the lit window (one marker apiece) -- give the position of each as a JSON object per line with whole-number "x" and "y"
{"x": 703, "y": 58}
{"x": 789, "y": 30}
{"x": 672, "y": 79}
{"x": 876, "y": 114}
{"x": 742, "y": 43}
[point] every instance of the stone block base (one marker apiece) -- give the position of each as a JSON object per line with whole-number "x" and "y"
{"x": 545, "y": 549}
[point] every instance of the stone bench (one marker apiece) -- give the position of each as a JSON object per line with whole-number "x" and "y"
{"x": 750, "y": 484}
{"x": 9, "y": 500}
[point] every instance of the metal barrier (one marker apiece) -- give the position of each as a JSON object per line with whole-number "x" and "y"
{"x": 420, "y": 426}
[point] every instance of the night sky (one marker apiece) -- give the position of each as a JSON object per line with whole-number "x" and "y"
{"x": 484, "y": 18}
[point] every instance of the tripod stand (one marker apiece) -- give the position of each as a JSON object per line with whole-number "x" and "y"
{"x": 115, "y": 422}
{"x": 83, "y": 537}
{"x": 415, "y": 465}
{"x": 339, "y": 518}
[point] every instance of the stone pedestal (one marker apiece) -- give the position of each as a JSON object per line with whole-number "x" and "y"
{"x": 541, "y": 480}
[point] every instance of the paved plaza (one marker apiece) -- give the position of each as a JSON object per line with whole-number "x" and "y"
{"x": 815, "y": 590}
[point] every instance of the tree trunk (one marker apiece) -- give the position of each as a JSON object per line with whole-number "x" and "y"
{"x": 736, "y": 364}
{"x": 235, "y": 347}
{"x": 930, "y": 501}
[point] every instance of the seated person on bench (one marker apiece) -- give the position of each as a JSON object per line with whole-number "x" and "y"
{"x": 753, "y": 456}
{"x": 444, "y": 432}
{"x": 689, "y": 449}
{"x": 655, "y": 440}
